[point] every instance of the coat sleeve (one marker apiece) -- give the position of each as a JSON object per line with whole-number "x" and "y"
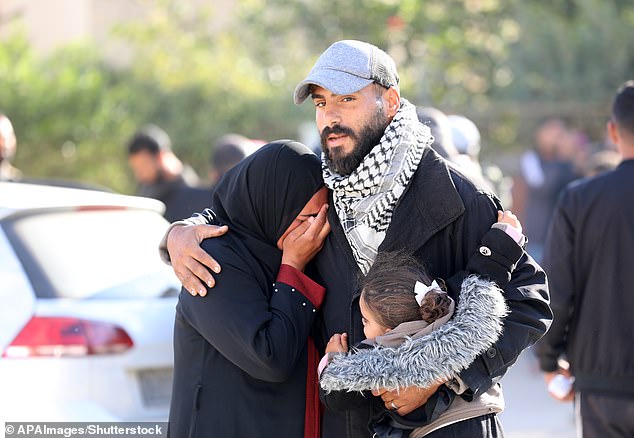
{"x": 495, "y": 259}
{"x": 526, "y": 295}
{"x": 263, "y": 337}
{"x": 559, "y": 252}
{"x": 341, "y": 401}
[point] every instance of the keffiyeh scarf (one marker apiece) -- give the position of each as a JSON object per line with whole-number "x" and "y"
{"x": 365, "y": 199}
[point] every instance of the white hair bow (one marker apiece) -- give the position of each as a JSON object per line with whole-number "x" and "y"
{"x": 420, "y": 290}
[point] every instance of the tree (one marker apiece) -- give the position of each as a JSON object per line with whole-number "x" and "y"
{"x": 501, "y": 63}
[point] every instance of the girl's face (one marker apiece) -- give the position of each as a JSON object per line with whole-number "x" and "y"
{"x": 371, "y": 328}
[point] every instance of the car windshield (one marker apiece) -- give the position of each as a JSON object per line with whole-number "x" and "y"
{"x": 93, "y": 253}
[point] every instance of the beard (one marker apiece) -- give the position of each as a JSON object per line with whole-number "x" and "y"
{"x": 367, "y": 137}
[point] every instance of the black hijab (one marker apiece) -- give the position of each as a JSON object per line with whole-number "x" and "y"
{"x": 261, "y": 196}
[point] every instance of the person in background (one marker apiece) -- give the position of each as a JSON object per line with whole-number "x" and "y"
{"x": 575, "y": 148}
{"x": 440, "y": 129}
{"x": 228, "y": 151}
{"x": 467, "y": 139}
{"x": 443, "y": 131}
{"x": 542, "y": 177}
{"x": 161, "y": 175}
{"x": 588, "y": 257}
{"x": 8, "y": 144}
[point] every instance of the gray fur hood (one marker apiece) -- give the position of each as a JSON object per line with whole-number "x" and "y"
{"x": 442, "y": 354}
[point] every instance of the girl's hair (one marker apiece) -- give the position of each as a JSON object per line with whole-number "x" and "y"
{"x": 388, "y": 291}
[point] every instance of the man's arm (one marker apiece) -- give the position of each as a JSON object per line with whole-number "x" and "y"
{"x": 529, "y": 318}
{"x": 527, "y": 298}
{"x": 495, "y": 258}
{"x": 180, "y": 248}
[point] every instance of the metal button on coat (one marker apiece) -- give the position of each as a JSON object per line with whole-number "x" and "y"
{"x": 492, "y": 352}
{"x": 485, "y": 251}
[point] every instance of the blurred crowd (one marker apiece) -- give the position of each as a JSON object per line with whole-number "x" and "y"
{"x": 560, "y": 154}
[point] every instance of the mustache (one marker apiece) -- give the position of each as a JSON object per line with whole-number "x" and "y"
{"x": 336, "y": 129}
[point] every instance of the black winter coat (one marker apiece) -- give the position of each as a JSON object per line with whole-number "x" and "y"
{"x": 240, "y": 370}
{"x": 441, "y": 218}
{"x": 589, "y": 251}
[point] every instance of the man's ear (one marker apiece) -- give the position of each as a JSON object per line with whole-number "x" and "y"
{"x": 613, "y": 132}
{"x": 393, "y": 99}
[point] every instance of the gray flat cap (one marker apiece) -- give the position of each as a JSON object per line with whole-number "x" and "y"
{"x": 348, "y": 66}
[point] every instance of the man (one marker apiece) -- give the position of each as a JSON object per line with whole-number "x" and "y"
{"x": 391, "y": 191}
{"x": 8, "y": 145}
{"x": 589, "y": 248}
{"x": 162, "y": 176}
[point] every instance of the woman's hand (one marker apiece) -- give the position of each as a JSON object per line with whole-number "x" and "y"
{"x": 338, "y": 343}
{"x": 188, "y": 259}
{"x": 301, "y": 244}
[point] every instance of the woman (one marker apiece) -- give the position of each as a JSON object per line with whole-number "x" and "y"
{"x": 241, "y": 352}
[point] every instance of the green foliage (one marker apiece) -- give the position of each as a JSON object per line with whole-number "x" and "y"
{"x": 446, "y": 50}
{"x": 568, "y": 61}
{"x": 66, "y": 113}
{"x": 502, "y": 63}
{"x": 582, "y": 54}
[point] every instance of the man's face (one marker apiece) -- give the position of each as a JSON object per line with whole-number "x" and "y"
{"x": 145, "y": 166}
{"x": 349, "y": 125}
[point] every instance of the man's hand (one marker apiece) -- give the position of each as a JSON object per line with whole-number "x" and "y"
{"x": 189, "y": 260}
{"x": 406, "y": 400}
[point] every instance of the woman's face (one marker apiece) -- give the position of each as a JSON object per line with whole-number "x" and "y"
{"x": 311, "y": 209}
{"x": 371, "y": 328}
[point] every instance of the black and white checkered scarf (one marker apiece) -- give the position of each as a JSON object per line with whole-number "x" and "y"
{"x": 365, "y": 199}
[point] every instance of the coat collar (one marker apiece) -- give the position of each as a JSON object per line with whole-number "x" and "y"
{"x": 430, "y": 203}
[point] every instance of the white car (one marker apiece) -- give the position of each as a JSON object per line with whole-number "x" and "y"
{"x": 86, "y": 306}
